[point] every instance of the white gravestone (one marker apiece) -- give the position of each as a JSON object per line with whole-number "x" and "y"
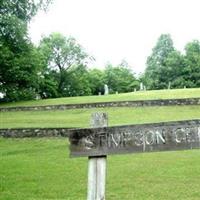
{"x": 141, "y": 86}
{"x": 106, "y": 90}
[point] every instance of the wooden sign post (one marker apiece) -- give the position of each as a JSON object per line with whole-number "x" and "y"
{"x": 102, "y": 140}
{"x": 97, "y": 164}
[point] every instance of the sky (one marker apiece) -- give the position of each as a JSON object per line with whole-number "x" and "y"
{"x": 113, "y": 30}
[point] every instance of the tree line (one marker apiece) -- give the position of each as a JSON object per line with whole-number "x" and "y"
{"x": 169, "y": 68}
{"x": 58, "y": 66}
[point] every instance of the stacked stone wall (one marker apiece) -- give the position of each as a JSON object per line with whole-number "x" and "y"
{"x": 139, "y": 103}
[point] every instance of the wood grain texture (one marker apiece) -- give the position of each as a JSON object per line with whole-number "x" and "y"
{"x": 164, "y": 136}
{"x": 97, "y": 165}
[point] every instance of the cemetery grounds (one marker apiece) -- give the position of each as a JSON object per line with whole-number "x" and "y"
{"x": 40, "y": 168}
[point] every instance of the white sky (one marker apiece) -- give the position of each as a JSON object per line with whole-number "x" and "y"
{"x": 112, "y": 30}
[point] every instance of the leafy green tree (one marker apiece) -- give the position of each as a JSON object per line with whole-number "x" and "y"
{"x": 14, "y": 18}
{"x": 19, "y": 63}
{"x": 174, "y": 70}
{"x": 191, "y": 73}
{"x": 76, "y": 82}
{"x": 18, "y": 74}
{"x": 156, "y": 63}
{"x": 96, "y": 80}
{"x": 61, "y": 55}
{"x": 23, "y": 9}
{"x": 120, "y": 78}
{"x": 166, "y": 66}
{"x": 47, "y": 85}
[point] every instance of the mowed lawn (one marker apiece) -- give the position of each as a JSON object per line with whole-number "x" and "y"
{"x": 81, "y": 117}
{"x": 40, "y": 169}
{"x": 139, "y": 95}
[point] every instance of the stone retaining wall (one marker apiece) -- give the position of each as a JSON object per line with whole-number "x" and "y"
{"x": 139, "y": 103}
{"x": 34, "y": 132}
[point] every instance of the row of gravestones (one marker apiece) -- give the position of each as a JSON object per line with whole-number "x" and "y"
{"x": 142, "y": 88}
{"x": 106, "y": 89}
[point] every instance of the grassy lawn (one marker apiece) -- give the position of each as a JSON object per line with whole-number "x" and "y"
{"x": 139, "y": 95}
{"x": 81, "y": 117}
{"x": 40, "y": 169}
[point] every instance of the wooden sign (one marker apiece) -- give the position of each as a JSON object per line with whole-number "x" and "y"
{"x": 164, "y": 136}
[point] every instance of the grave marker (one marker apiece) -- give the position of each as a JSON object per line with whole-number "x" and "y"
{"x": 141, "y": 86}
{"x": 106, "y": 90}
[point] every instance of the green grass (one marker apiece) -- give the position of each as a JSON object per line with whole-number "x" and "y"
{"x": 40, "y": 169}
{"x": 81, "y": 117}
{"x": 139, "y": 95}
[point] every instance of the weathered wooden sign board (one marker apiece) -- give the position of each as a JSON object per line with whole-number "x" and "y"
{"x": 165, "y": 136}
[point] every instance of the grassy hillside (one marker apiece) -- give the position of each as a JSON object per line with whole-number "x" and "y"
{"x": 40, "y": 169}
{"x": 139, "y": 95}
{"x": 117, "y": 116}
{"x": 81, "y": 117}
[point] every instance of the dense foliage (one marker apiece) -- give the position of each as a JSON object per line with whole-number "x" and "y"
{"x": 168, "y": 68}
{"x": 19, "y": 59}
{"x": 66, "y": 60}
{"x": 58, "y": 67}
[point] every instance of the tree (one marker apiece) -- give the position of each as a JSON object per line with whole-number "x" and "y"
{"x": 96, "y": 80}
{"x": 120, "y": 78}
{"x": 18, "y": 74}
{"x": 191, "y": 72}
{"x": 156, "y": 62}
{"x": 23, "y": 10}
{"x": 47, "y": 84}
{"x": 14, "y": 18}
{"x": 77, "y": 82}
{"x": 61, "y": 54}
{"x": 19, "y": 63}
{"x": 174, "y": 70}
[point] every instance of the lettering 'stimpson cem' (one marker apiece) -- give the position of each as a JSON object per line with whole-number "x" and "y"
{"x": 136, "y": 138}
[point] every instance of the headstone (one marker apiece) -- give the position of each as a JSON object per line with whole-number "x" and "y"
{"x": 106, "y": 90}
{"x": 99, "y": 93}
{"x": 169, "y": 85}
{"x": 141, "y": 86}
{"x": 37, "y": 97}
{"x": 135, "y": 89}
{"x": 1, "y": 95}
